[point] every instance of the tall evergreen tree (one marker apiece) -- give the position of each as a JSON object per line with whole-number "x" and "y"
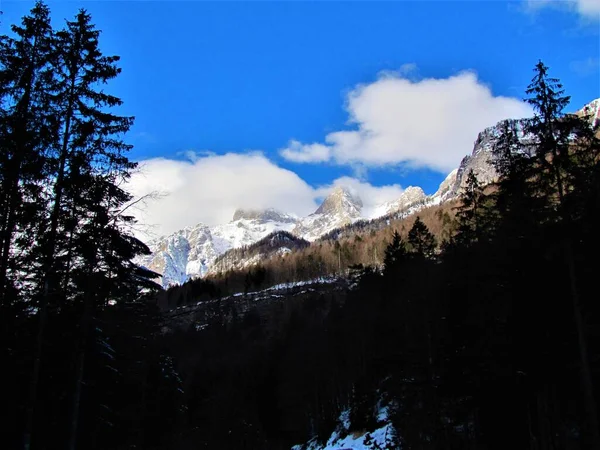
{"x": 395, "y": 252}
{"x": 421, "y": 240}
{"x": 473, "y": 215}
{"x": 554, "y": 134}
{"x": 27, "y": 129}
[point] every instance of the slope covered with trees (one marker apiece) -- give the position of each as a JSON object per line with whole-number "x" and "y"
{"x": 489, "y": 342}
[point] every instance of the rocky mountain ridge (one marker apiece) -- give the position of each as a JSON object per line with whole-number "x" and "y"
{"x": 192, "y": 252}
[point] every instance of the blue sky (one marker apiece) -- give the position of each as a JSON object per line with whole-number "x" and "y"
{"x": 219, "y": 78}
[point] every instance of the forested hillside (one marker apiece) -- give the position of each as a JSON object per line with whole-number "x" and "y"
{"x": 483, "y": 338}
{"x": 272, "y": 261}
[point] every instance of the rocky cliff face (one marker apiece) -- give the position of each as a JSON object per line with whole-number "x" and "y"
{"x": 188, "y": 252}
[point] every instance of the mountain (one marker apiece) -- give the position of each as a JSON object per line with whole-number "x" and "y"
{"x": 339, "y": 208}
{"x": 190, "y": 252}
{"x": 193, "y": 251}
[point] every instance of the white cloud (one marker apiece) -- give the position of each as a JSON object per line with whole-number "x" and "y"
{"x": 589, "y": 9}
{"x": 297, "y": 152}
{"x": 426, "y": 123}
{"x": 210, "y": 188}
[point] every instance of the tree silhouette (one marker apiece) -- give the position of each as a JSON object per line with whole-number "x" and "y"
{"x": 421, "y": 240}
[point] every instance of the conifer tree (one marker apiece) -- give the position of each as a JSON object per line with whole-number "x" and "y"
{"x": 421, "y": 240}
{"x": 395, "y": 252}
{"x": 473, "y": 213}
{"x": 552, "y": 134}
{"x": 27, "y": 128}
{"x": 518, "y": 204}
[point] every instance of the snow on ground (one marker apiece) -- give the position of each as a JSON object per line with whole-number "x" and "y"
{"x": 344, "y": 439}
{"x": 320, "y": 280}
{"x": 267, "y": 292}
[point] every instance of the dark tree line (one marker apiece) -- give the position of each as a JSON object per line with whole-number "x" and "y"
{"x": 81, "y": 363}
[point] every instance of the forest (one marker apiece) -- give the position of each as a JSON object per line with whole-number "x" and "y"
{"x": 477, "y": 325}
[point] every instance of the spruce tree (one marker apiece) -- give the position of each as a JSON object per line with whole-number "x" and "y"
{"x": 27, "y": 129}
{"x": 473, "y": 213}
{"x": 395, "y": 253}
{"x": 421, "y": 240}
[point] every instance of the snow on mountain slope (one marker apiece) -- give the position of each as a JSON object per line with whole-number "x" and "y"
{"x": 248, "y": 227}
{"x": 339, "y": 208}
{"x": 190, "y": 252}
{"x": 411, "y": 196}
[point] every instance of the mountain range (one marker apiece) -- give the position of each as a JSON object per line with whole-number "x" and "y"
{"x": 193, "y": 251}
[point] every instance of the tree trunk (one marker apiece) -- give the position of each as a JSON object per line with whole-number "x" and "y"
{"x": 86, "y": 319}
